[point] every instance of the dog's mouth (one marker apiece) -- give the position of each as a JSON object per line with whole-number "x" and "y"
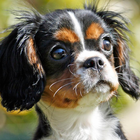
{"x": 104, "y": 82}
{"x": 104, "y": 88}
{"x": 100, "y": 86}
{"x": 107, "y": 83}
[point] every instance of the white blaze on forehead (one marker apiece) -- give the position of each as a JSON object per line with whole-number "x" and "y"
{"x": 77, "y": 28}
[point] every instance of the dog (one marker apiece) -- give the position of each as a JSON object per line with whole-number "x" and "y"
{"x": 69, "y": 64}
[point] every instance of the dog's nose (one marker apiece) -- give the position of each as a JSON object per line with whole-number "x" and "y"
{"x": 96, "y": 63}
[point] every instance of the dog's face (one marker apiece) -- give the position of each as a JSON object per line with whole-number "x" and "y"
{"x": 68, "y": 58}
{"x": 81, "y": 61}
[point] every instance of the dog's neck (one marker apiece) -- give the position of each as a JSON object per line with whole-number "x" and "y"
{"x": 69, "y": 124}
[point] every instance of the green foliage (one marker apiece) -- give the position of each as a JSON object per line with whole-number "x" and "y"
{"x": 18, "y": 126}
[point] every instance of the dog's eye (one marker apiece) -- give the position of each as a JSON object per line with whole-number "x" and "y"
{"x": 106, "y": 45}
{"x": 58, "y": 53}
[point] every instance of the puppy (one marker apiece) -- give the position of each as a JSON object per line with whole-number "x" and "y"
{"x": 69, "y": 64}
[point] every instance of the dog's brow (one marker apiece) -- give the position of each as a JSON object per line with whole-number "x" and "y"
{"x": 94, "y": 31}
{"x": 66, "y": 35}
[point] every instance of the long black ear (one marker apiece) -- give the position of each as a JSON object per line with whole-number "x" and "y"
{"x": 118, "y": 27}
{"x": 22, "y": 77}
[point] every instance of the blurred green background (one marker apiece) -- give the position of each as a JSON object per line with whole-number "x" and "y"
{"x": 21, "y": 125}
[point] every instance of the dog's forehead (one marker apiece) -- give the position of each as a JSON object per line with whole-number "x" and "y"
{"x": 77, "y": 26}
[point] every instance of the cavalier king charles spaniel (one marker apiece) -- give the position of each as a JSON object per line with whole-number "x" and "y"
{"x": 69, "y": 64}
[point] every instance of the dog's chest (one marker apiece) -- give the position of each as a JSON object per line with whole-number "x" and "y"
{"x": 100, "y": 132}
{"x": 90, "y": 126}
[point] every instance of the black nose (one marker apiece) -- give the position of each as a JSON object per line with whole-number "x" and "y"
{"x": 96, "y": 63}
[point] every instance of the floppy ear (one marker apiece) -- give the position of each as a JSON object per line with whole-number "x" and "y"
{"x": 127, "y": 79}
{"x": 22, "y": 77}
{"x": 118, "y": 27}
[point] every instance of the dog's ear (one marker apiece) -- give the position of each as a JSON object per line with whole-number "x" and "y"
{"x": 118, "y": 28}
{"x": 127, "y": 79}
{"x": 22, "y": 77}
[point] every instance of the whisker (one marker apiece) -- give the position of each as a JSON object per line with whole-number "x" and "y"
{"x": 75, "y": 88}
{"x": 70, "y": 65}
{"x": 81, "y": 93}
{"x": 119, "y": 67}
{"x": 76, "y": 85}
{"x": 58, "y": 82}
{"x": 61, "y": 88}
{"x": 76, "y": 91}
{"x": 70, "y": 70}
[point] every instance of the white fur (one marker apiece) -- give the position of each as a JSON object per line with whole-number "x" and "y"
{"x": 91, "y": 100}
{"x": 90, "y": 78}
{"x": 77, "y": 28}
{"x": 69, "y": 124}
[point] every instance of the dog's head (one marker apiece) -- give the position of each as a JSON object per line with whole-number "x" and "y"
{"x": 66, "y": 58}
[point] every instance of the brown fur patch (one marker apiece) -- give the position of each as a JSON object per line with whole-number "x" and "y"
{"x": 33, "y": 57}
{"x": 94, "y": 31}
{"x": 60, "y": 92}
{"x": 66, "y": 35}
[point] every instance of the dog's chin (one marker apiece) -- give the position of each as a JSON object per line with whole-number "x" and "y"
{"x": 102, "y": 87}
{"x": 99, "y": 87}
{"x": 101, "y": 92}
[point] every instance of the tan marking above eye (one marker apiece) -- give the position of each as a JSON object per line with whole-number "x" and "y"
{"x": 66, "y": 35}
{"x": 94, "y": 31}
